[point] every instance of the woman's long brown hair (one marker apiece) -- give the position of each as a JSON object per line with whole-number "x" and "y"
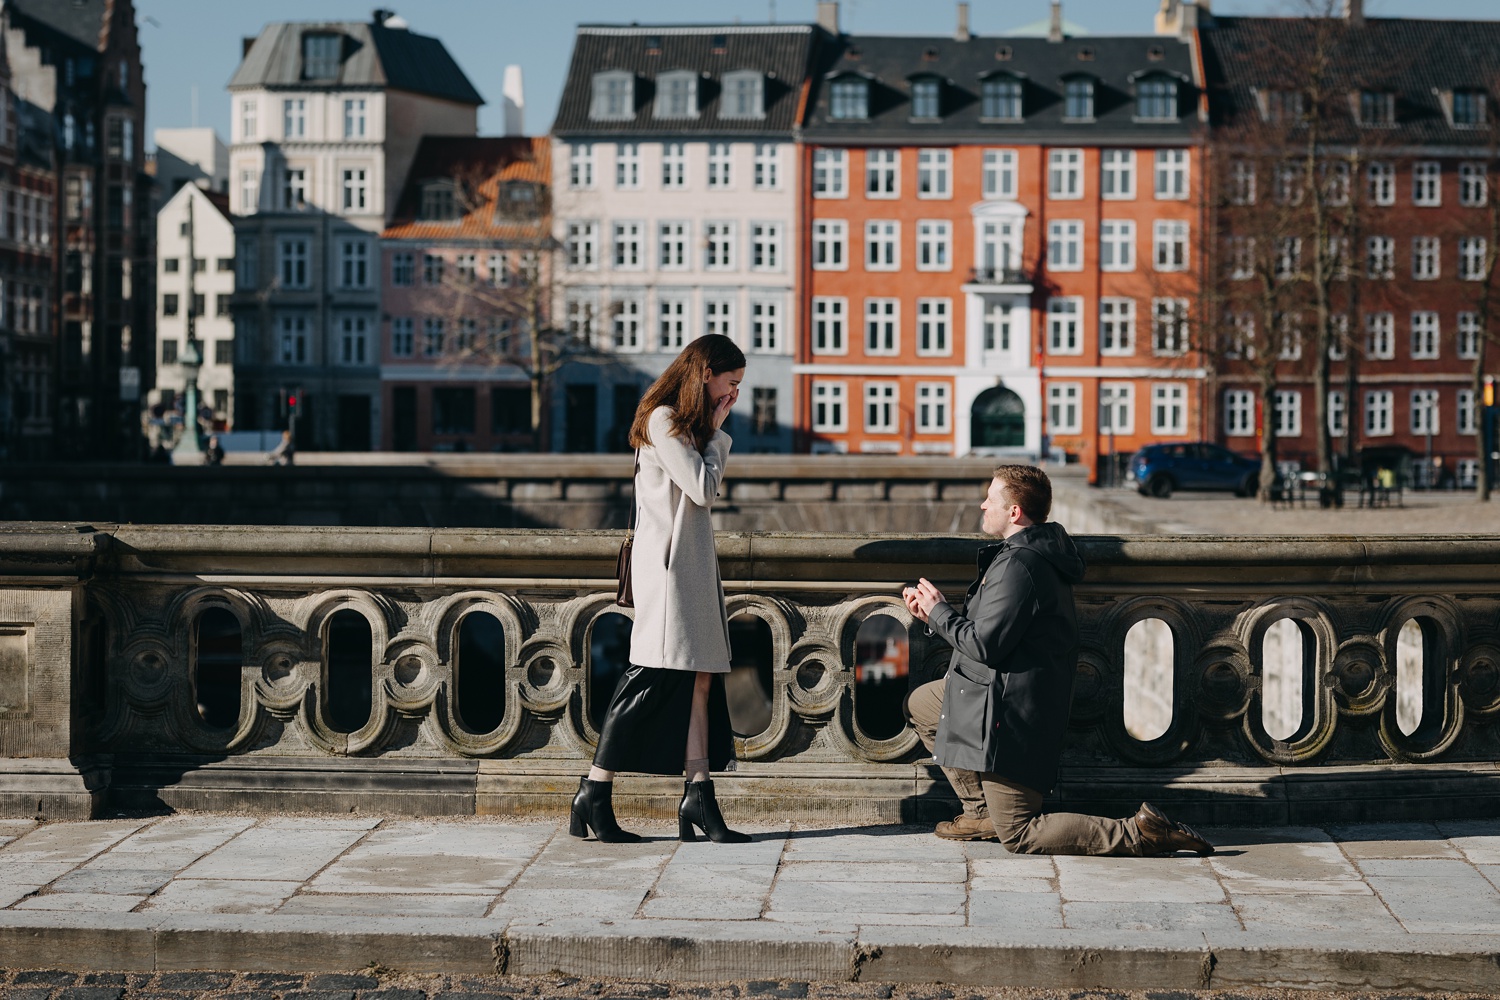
{"x": 681, "y": 387}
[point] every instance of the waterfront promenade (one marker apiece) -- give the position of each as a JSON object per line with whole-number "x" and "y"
{"x": 1408, "y": 906}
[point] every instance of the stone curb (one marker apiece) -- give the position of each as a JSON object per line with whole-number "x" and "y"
{"x": 701, "y": 951}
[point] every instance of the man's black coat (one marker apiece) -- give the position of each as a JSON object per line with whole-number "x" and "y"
{"x": 1010, "y": 682}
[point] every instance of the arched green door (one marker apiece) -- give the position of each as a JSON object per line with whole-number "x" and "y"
{"x": 998, "y": 420}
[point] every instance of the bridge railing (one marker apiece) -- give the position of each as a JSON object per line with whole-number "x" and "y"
{"x": 454, "y": 671}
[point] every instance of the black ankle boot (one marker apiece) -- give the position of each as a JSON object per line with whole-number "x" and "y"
{"x": 699, "y": 808}
{"x": 594, "y": 809}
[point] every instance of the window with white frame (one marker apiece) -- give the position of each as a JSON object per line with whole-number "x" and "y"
{"x": 1380, "y": 180}
{"x": 830, "y": 173}
{"x": 1427, "y": 183}
{"x": 849, "y": 99}
{"x": 999, "y": 248}
{"x": 720, "y": 162}
{"x": 613, "y": 97}
{"x": 249, "y": 119}
{"x": 1425, "y": 335}
{"x": 628, "y": 166}
{"x": 828, "y": 405}
{"x": 1242, "y": 182}
{"x": 1117, "y": 245}
{"x": 767, "y": 166}
{"x": 1467, "y": 420}
{"x": 673, "y": 166}
{"x": 1291, "y": 183}
{"x": 882, "y": 245}
{"x": 249, "y": 192}
{"x": 1288, "y": 257}
{"x": 580, "y": 317}
{"x": 1426, "y": 258}
{"x": 354, "y": 118}
{"x": 718, "y": 246}
{"x": 1239, "y": 335}
{"x": 1338, "y": 414}
{"x": 830, "y": 238}
{"x": 355, "y": 189}
{"x": 1065, "y": 245}
{"x": 718, "y": 314}
{"x": 1469, "y": 333}
{"x": 1335, "y": 176}
{"x": 926, "y": 98}
{"x": 1473, "y": 184}
{"x": 1168, "y": 408}
{"x": 765, "y": 325}
{"x": 1001, "y": 98}
{"x": 625, "y": 328}
{"x": 880, "y": 407}
{"x": 354, "y": 343}
{"x": 997, "y": 327}
{"x": 676, "y": 94}
{"x": 293, "y": 256}
{"x": 294, "y": 189}
{"x": 581, "y": 246}
{"x": 1379, "y": 417}
{"x": 1338, "y": 336}
{"x": 1377, "y": 107}
{"x": 743, "y": 96}
{"x": 671, "y": 321}
{"x": 466, "y": 265}
{"x": 934, "y": 173}
{"x": 1117, "y": 327}
{"x": 292, "y": 336}
{"x": 1171, "y": 174}
{"x": 1424, "y": 411}
{"x": 933, "y": 327}
{"x": 1064, "y": 412}
{"x": 1169, "y": 242}
{"x": 1065, "y": 174}
{"x": 1078, "y": 99}
{"x": 402, "y": 338}
{"x": 882, "y": 326}
{"x": 1239, "y": 413}
{"x": 1065, "y": 325}
{"x": 1116, "y": 408}
{"x": 934, "y": 245}
{"x": 1336, "y": 252}
{"x": 999, "y": 173}
{"x": 1117, "y": 174}
{"x": 581, "y": 166}
{"x": 1287, "y": 410}
{"x": 765, "y": 246}
{"x": 1289, "y": 336}
{"x": 672, "y": 246}
{"x": 933, "y": 408}
{"x": 498, "y": 267}
{"x": 1472, "y": 254}
{"x": 294, "y": 118}
{"x": 433, "y": 332}
{"x": 627, "y": 242}
{"x": 354, "y": 263}
{"x": 883, "y": 173}
{"x": 1380, "y": 336}
{"x": 1241, "y": 256}
{"x": 1169, "y": 327}
{"x": 828, "y": 318}
{"x": 1380, "y": 258}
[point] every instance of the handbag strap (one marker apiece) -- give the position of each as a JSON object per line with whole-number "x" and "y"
{"x": 630, "y": 519}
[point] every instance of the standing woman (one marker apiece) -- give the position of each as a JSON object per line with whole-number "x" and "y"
{"x": 668, "y": 714}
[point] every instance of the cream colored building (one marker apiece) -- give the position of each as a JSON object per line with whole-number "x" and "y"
{"x": 195, "y": 283}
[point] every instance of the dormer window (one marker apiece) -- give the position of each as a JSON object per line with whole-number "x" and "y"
{"x": 1078, "y": 99}
{"x": 519, "y": 199}
{"x": 439, "y": 202}
{"x": 744, "y": 95}
{"x": 1000, "y": 98}
{"x": 320, "y": 56}
{"x": 927, "y": 97}
{"x": 1156, "y": 98}
{"x": 849, "y": 99}
{"x": 677, "y": 94}
{"x": 1280, "y": 105}
{"x": 1469, "y": 108}
{"x": 1377, "y": 108}
{"x": 614, "y": 96}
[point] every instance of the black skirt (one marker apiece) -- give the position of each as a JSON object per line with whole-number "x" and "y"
{"x": 646, "y": 725}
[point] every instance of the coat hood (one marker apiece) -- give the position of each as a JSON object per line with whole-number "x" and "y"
{"x": 1052, "y": 542}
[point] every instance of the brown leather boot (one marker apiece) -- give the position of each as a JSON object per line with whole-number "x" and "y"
{"x": 1160, "y": 835}
{"x": 966, "y": 827}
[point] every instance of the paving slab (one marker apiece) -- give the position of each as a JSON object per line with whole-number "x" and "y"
{"x": 878, "y": 872}
{"x": 1353, "y": 915}
{"x": 546, "y": 904}
{"x": 67, "y": 843}
{"x": 1010, "y": 884}
{"x": 371, "y": 905}
{"x": 1029, "y": 865}
{"x": 716, "y": 881}
{"x": 871, "y": 844}
{"x": 10, "y": 829}
{"x": 1477, "y": 839}
{"x": 423, "y": 858}
{"x": 702, "y": 907}
{"x": 1140, "y": 880}
{"x": 1023, "y": 910}
{"x": 91, "y": 902}
{"x": 857, "y": 899}
{"x": 121, "y": 881}
{"x": 278, "y": 852}
{"x": 1467, "y": 904}
{"x": 1393, "y": 840}
{"x": 1150, "y": 915}
{"x": 174, "y": 843}
{"x": 222, "y": 896}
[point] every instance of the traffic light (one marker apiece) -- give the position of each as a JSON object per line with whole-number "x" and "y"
{"x": 291, "y": 400}
{"x": 1489, "y": 390}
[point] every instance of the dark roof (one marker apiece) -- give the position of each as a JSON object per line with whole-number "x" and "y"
{"x": 780, "y": 51}
{"x": 374, "y": 56}
{"x": 486, "y": 164}
{"x": 1413, "y": 59}
{"x": 80, "y": 20}
{"x": 890, "y": 62}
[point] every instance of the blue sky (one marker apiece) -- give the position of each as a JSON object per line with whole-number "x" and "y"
{"x": 196, "y": 43}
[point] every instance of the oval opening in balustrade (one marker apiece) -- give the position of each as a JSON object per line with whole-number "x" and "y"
{"x": 1419, "y": 674}
{"x": 479, "y": 672}
{"x": 1287, "y": 670}
{"x": 1149, "y": 659}
{"x": 216, "y": 673}
{"x": 350, "y": 665}
{"x": 609, "y": 657}
{"x": 748, "y": 686}
{"x": 882, "y": 655}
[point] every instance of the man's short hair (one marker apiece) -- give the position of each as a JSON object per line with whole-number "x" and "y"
{"x": 1028, "y": 487}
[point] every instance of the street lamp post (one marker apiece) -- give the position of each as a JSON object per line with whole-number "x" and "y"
{"x": 188, "y": 451}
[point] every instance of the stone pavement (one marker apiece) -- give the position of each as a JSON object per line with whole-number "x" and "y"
{"x": 1412, "y": 906}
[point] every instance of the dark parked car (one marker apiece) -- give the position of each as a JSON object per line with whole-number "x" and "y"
{"x": 1158, "y": 469}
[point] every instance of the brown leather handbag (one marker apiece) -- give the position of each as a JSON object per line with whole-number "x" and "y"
{"x": 624, "y": 596}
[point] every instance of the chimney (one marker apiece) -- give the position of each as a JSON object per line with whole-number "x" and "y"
{"x": 514, "y": 102}
{"x": 380, "y": 15}
{"x": 1354, "y": 10}
{"x": 1054, "y": 31}
{"x": 962, "y": 33}
{"x": 246, "y": 42}
{"x": 828, "y": 16}
{"x": 1189, "y": 19}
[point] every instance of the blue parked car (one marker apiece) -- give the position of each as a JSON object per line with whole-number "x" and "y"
{"x": 1158, "y": 469}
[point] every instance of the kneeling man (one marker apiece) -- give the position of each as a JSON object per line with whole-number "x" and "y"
{"x": 996, "y": 722}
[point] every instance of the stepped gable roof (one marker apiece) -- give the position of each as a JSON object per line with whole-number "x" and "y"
{"x": 891, "y": 62}
{"x": 1418, "y": 60}
{"x": 488, "y": 166}
{"x": 374, "y": 55}
{"x": 80, "y": 20}
{"x": 780, "y": 51}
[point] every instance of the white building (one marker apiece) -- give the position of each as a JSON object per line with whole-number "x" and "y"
{"x": 190, "y": 156}
{"x": 675, "y": 194}
{"x": 326, "y": 119}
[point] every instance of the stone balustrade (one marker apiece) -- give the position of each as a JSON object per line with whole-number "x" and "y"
{"x": 458, "y": 671}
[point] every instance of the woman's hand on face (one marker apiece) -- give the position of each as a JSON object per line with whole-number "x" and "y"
{"x": 723, "y": 405}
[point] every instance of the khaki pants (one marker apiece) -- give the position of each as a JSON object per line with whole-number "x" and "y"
{"x": 1015, "y": 809}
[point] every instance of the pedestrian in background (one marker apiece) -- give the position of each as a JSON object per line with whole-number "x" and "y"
{"x": 286, "y": 451}
{"x": 214, "y": 453}
{"x": 669, "y": 714}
